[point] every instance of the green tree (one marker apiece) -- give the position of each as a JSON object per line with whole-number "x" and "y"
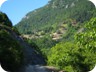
{"x": 65, "y": 56}
{"x": 87, "y": 43}
{"x": 4, "y": 20}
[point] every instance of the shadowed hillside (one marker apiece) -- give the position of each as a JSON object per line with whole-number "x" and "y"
{"x": 14, "y": 50}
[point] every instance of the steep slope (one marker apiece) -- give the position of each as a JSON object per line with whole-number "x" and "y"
{"x": 57, "y": 21}
{"x": 55, "y": 13}
{"x": 14, "y": 51}
{"x": 31, "y": 56}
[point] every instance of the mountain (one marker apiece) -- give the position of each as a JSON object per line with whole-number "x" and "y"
{"x": 60, "y": 34}
{"x": 57, "y": 21}
{"x": 56, "y": 13}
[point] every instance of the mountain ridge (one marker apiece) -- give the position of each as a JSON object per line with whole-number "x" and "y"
{"x": 55, "y": 22}
{"x": 55, "y": 12}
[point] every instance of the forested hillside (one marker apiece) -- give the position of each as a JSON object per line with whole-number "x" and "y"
{"x": 10, "y": 55}
{"x": 14, "y": 51}
{"x": 58, "y": 21}
{"x": 55, "y": 14}
{"x": 60, "y": 34}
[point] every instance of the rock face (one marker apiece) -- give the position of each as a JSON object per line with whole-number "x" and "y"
{"x": 38, "y": 68}
{"x": 31, "y": 57}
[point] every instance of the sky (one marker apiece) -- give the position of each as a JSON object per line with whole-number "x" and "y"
{"x": 17, "y": 9}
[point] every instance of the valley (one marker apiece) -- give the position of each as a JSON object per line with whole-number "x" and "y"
{"x": 58, "y": 37}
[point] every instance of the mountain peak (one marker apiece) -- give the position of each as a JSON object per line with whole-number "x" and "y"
{"x": 62, "y": 3}
{"x": 54, "y": 13}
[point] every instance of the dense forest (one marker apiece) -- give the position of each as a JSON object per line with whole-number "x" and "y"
{"x": 60, "y": 34}
{"x": 55, "y": 14}
{"x": 57, "y": 21}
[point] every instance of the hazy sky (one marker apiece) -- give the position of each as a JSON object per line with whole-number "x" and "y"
{"x": 17, "y": 9}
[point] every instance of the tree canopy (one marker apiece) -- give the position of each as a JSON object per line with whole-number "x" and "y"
{"x": 4, "y": 20}
{"x": 77, "y": 56}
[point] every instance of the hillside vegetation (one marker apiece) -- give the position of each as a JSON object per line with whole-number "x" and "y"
{"x": 15, "y": 53}
{"x": 10, "y": 54}
{"x": 57, "y": 21}
{"x": 63, "y": 32}
{"x": 54, "y": 15}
